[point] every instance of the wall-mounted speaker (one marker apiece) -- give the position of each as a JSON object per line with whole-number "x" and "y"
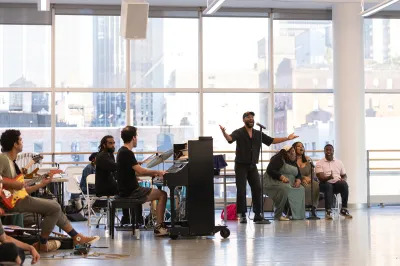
{"x": 134, "y": 16}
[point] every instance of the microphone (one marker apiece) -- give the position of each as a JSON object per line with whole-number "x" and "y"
{"x": 263, "y": 127}
{"x": 311, "y": 162}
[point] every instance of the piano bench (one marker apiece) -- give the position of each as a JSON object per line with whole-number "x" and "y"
{"x": 123, "y": 203}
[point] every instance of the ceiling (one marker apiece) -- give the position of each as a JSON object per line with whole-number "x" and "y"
{"x": 292, "y": 4}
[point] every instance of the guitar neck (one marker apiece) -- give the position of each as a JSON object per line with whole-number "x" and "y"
{"x": 36, "y": 179}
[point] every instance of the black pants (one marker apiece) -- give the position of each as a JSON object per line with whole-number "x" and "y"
{"x": 136, "y": 213}
{"x": 330, "y": 189}
{"x": 247, "y": 172}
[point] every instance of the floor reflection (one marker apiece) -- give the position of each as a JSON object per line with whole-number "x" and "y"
{"x": 372, "y": 237}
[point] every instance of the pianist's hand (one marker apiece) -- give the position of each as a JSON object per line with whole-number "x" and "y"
{"x": 160, "y": 173}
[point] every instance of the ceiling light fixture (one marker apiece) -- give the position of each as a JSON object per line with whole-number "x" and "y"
{"x": 213, "y": 6}
{"x": 43, "y": 5}
{"x": 378, "y": 8}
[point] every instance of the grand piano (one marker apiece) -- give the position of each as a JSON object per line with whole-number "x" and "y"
{"x": 196, "y": 173}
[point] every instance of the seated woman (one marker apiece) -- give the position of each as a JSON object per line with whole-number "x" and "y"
{"x": 282, "y": 183}
{"x": 303, "y": 162}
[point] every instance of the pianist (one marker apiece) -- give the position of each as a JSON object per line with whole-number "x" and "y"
{"x": 128, "y": 186}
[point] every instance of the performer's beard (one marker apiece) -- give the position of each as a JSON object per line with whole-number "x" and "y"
{"x": 249, "y": 124}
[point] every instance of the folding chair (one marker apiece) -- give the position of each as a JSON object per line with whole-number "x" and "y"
{"x": 74, "y": 188}
{"x": 73, "y": 173}
{"x": 91, "y": 180}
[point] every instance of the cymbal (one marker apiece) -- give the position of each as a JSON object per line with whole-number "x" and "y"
{"x": 160, "y": 158}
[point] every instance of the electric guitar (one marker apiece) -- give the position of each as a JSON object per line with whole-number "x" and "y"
{"x": 10, "y": 197}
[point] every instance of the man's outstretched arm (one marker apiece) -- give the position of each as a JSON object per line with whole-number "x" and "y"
{"x": 226, "y": 135}
{"x": 280, "y": 140}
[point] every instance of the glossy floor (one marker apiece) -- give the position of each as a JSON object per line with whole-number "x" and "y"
{"x": 372, "y": 237}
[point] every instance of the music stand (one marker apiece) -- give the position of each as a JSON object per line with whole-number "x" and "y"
{"x": 263, "y": 221}
{"x": 157, "y": 159}
{"x": 312, "y": 216}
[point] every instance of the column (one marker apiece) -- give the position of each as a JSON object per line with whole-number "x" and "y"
{"x": 348, "y": 83}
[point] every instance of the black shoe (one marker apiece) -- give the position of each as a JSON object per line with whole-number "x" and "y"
{"x": 243, "y": 220}
{"x": 259, "y": 219}
{"x": 125, "y": 220}
{"x": 345, "y": 213}
{"x": 313, "y": 212}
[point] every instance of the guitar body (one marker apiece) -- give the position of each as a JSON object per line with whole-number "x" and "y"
{"x": 11, "y": 197}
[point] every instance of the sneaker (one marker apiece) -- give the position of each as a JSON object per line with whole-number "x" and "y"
{"x": 243, "y": 219}
{"x": 80, "y": 239}
{"x": 283, "y": 218}
{"x": 257, "y": 217}
{"x": 51, "y": 245}
{"x": 345, "y": 213}
{"x": 160, "y": 230}
{"x": 328, "y": 215}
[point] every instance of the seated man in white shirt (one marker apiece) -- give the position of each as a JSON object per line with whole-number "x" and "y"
{"x": 332, "y": 177}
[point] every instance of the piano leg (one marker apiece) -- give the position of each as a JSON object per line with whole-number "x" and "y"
{"x": 172, "y": 204}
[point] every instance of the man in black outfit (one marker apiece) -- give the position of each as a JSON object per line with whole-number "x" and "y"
{"x": 105, "y": 184}
{"x": 128, "y": 185}
{"x": 247, "y": 152}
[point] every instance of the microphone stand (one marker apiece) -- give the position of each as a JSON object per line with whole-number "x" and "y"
{"x": 264, "y": 221}
{"x": 312, "y": 216}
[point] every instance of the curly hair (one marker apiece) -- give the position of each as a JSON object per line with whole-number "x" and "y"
{"x": 103, "y": 142}
{"x": 8, "y": 138}
{"x": 303, "y": 156}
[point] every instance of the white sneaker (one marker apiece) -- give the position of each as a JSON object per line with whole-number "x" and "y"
{"x": 160, "y": 230}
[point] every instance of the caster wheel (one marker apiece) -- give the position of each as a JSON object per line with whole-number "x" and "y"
{"x": 225, "y": 232}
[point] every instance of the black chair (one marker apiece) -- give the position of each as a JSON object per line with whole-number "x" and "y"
{"x": 123, "y": 203}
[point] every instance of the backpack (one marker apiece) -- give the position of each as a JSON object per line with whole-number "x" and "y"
{"x": 231, "y": 212}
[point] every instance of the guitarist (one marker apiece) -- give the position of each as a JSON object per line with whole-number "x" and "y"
{"x": 12, "y": 144}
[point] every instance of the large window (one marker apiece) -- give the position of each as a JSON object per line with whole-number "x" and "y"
{"x": 30, "y": 113}
{"x": 164, "y": 119}
{"x": 168, "y": 58}
{"x": 89, "y": 52}
{"x": 382, "y": 53}
{"x": 227, "y": 110}
{"x": 381, "y": 115}
{"x": 303, "y": 55}
{"x": 82, "y": 119}
{"x": 235, "y": 53}
{"x": 25, "y": 56}
{"x": 308, "y": 115}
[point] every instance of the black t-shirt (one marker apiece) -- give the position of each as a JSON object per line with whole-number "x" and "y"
{"x": 248, "y": 149}
{"x": 126, "y": 176}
